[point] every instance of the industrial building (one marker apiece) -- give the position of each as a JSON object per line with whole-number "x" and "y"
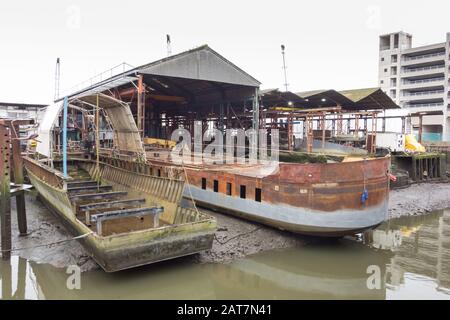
{"x": 21, "y": 110}
{"x": 417, "y": 79}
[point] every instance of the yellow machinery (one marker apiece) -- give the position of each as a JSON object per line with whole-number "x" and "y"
{"x": 160, "y": 142}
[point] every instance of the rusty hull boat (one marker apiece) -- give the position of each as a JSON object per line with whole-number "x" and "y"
{"x": 125, "y": 213}
{"x": 320, "y": 199}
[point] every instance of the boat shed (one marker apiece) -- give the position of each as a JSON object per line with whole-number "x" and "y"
{"x": 195, "y": 85}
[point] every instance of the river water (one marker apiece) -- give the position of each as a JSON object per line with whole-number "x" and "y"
{"x": 406, "y": 258}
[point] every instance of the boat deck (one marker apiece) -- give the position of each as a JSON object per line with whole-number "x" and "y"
{"x": 108, "y": 211}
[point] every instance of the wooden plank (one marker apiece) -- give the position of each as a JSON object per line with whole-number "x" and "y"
{"x": 110, "y": 204}
{"x": 117, "y": 214}
{"x": 82, "y": 183}
{"x": 98, "y": 196}
{"x": 89, "y": 188}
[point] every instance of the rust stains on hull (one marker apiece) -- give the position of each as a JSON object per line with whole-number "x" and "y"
{"x": 320, "y": 199}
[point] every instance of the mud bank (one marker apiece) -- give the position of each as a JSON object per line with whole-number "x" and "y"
{"x": 419, "y": 199}
{"x": 235, "y": 238}
{"x": 44, "y": 228}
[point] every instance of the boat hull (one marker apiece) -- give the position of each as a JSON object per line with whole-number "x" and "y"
{"x": 298, "y": 220}
{"x": 132, "y": 249}
{"x": 313, "y": 199}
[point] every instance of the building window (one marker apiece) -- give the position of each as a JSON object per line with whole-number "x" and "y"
{"x": 385, "y": 69}
{"x": 243, "y": 192}
{"x": 382, "y": 59}
{"x": 258, "y": 194}
{"x": 229, "y": 186}
{"x": 159, "y": 172}
{"x": 394, "y": 71}
{"x": 382, "y": 81}
{"x": 216, "y": 186}
{"x": 204, "y": 183}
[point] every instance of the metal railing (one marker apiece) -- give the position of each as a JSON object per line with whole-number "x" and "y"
{"x": 424, "y": 105}
{"x": 423, "y": 68}
{"x": 424, "y": 56}
{"x": 422, "y": 93}
{"x": 114, "y": 71}
{"x": 423, "y": 80}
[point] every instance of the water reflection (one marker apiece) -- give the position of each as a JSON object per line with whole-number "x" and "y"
{"x": 421, "y": 247}
{"x": 413, "y": 256}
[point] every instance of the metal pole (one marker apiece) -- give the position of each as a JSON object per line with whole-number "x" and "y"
{"x": 66, "y": 104}
{"x": 141, "y": 106}
{"x": 284, "y": 67}
{"x": 97, "y": 133}
{"x": 420, "y": 128}
{"x": 256, "y": 116}
{"x": 323, "y": 132}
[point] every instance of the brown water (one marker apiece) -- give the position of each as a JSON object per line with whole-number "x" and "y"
{"x": 412, "y": 254}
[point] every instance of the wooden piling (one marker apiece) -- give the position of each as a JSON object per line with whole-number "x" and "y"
{"x": 5, "y": 204}
{"x": 18, "y": 179}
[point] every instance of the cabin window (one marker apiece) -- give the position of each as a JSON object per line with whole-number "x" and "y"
{"x": 229, "y": 193}
{"x": 204, "y": 183}
{"x": 258, "y": 194}
{"x": 216, "y": 186}
{"x": 243, "y": 192}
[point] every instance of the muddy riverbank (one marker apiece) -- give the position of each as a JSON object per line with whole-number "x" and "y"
{"x": 234, "y": 239}
{"x": 419, "y": 199}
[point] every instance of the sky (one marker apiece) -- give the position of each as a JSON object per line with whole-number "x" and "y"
{"x": 329, "y": 44}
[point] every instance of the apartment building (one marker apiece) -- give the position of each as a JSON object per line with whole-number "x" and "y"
{"x": 21, "y": 110}
{"x": 417, "y": 78}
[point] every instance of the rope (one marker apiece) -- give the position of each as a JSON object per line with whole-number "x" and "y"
{"x": 236, "y": 236}
{"x": 51, "y": 243}
{"x": 198, "y": 212}
{"x": 189, "y": 189}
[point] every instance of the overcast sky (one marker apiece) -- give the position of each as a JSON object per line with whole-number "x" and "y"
{"x": 329, "y": 44}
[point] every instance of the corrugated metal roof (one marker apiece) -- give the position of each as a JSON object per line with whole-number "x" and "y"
{"x": 357, "y": 94}
{"x": 370, "y": 99}
{"x": 202, "y": 63}
{"x": 307, "y": 94}
{"x": 326, "y": 98}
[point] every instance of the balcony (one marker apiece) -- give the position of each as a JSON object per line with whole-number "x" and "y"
{"x": 424, "y": 58}
{"x": 422, "y": 83}
{"x": 423, "y": 93}
{"x": 424, "y": 71}
{"x": 423, "y": 68}
{"x": 430, "y": 96}
{"x": 424, "y": 107}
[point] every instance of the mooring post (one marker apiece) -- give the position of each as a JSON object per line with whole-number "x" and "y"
{"x": 64, "y": 142}
{"x": 6, "y": 281}
{"x": 18, "y": 179}
{"x": 5, "y": 197}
